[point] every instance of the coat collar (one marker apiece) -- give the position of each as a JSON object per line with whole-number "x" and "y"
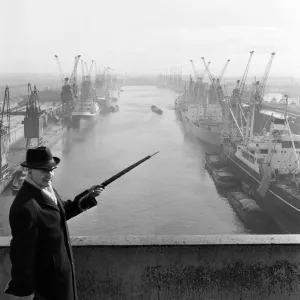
{"x": 43, "y": 198}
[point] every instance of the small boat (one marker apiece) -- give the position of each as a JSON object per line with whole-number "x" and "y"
{"x": 218, "y": 170}
{"x": 223, "y": 178}
{"x": 248, "y": 210}
{"x": 214, "y": 161}
{"x": 156, "y": 109}
{"x": 18, "y": 180}
{"x": 114, "y": 108}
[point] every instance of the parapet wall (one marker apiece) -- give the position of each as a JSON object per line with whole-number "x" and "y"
{"x": 181, "y": 267}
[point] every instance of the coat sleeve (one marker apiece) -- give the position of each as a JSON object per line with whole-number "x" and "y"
{"x": 75, "y": 207}
{"x": 23, "y": 223}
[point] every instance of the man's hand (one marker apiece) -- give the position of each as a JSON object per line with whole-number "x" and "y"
{"x": 86, "y": 199}
{"x": 95, "y": 191}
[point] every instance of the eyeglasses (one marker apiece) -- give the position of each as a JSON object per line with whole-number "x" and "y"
{"x": 48, "y": 170}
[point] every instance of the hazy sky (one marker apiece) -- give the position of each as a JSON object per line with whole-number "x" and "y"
{"x": 150, "y": 36}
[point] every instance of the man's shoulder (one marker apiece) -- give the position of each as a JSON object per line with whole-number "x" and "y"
{"x": 24, "y": 200}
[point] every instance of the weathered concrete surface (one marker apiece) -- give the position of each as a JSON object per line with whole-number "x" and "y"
{"x": 195, "y": 267}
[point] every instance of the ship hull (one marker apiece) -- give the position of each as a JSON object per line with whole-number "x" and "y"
{"x": 178, "y": 114}
{"x": 277, "y": 202}
{"x": 83, "y": 115}
{"x": 207, "y": 134}
{"x": 177, "y": 107}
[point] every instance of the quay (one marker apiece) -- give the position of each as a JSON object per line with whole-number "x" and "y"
{"x": 181, "y": 267}
{"x": 17, "y": 142}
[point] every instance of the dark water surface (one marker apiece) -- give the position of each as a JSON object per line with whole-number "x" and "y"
{"x": 170, "y": 194}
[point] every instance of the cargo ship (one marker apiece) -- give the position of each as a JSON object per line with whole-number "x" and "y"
{"x": 204, "y": 118}
{"x": 86, "y": 108}
{"x": 86, "y": 105}
{"x": 268, "y": 167}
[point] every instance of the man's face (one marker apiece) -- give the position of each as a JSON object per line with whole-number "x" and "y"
{"x": 43, "y": 178}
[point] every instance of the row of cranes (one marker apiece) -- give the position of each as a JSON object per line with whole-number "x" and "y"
{"x": 238, "y": 91}
{"x": 73, "y": 91}
{"x": 70, "y": 84}
{"x": 241, "y": 111}
{"x": 235, "y": 108}
{"x": 34, "y": 117}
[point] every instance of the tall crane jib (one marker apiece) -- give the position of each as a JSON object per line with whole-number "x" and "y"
{"x": 220, "y": 92}
{"x": 238, "y": 91}
{"x": 4, "y": 134}
{"x": 69, "y": 89}
{"x": 34, "y": 118}
{"x": 73, "y": 77}
{"x": 215, "y": 92}
{"x": 196, "y": 88}
{"x": 259, "y": 90}
{"x": 235, "y": 104}
{"x": 99, "y": 78}
{"x": 86, "y": 85}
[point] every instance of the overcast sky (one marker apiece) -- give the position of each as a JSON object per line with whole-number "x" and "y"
{"x": 150, "y": 36}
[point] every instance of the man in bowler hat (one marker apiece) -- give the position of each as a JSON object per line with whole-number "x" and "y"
{"x": 40, "y": 249}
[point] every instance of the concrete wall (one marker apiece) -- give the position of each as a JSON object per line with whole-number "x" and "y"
{"x": 181, "y": 267}
{"x": 16, "y": 134}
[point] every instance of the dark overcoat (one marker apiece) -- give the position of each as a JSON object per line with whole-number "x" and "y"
{"x": 40, "y": 250}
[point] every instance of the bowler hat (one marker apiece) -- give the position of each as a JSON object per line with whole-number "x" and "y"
{"x": 40, "y": 158}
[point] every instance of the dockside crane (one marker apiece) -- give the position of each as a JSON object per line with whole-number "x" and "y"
{"x": 259, "y": 91}
{"x": 86, "y": 85}
{"x": 205, "y": 71}
{"x": 4, "y": 134}
{"x": 86, "y": 69}
{"x": 69, "y": 88}
{"x": 34, "y": 118}
{"x": 213, "y": 82}
{"x": 223, "y": 71}
{"x": 235, "y": 101}
{"x": 73, "y": 77}
{"x": 96, "y": 70}
{"x": 195, "y": 72}
{"x": 219, "y": 79}
{"x": 98, "y": 80}
{"x": 257, "y": 97}
{"x": 241, "y": 84}
{"x": 61, "y": 73}
{"x": 82, "y": 71}
{"x": 90, "y": 70}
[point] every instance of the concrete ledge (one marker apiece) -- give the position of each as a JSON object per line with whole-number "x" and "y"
{"x": 181, "y": 267}
{"x": 148, "y": 240}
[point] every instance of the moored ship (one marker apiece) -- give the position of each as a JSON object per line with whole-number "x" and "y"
{"x": 267, "y": 163}
{"x": 86, "y": 108}
{"x": 268, "y": 167}
{"x": 203, "y": 113}
{"x": 86, "y": 105}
